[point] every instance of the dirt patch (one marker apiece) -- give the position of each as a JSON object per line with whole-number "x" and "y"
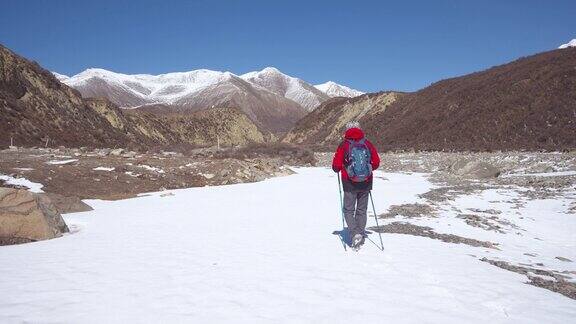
{"x": 485, "y": 211}
{"x": 539, "y": 278}
{"x": 488, "y": 223}
{"x": 451, "y": 192}
{"x": 424, "y": 231}
{"x": 409, "y": 210}
{"x": 572, "y": 209}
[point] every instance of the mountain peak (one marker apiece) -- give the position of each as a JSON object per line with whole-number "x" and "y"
{"x": 334, "y": 89}
{"x": 268, "y": 71}
{"x": 97, "y": 71}
{"x": 273, "y": 80}
{"x": 571, "y": 43}
{"x": 271, "y": 69}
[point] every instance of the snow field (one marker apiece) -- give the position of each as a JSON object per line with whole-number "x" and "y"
{"x": 259, "y": 252}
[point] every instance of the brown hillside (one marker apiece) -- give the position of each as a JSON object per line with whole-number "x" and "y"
{"x": 36, "y": 106}
{"x": 229, "y": 126}
{"x": 528, "y": 104}
{"x": 325, "y": 125}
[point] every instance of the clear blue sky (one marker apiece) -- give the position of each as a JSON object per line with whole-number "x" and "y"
{"x": 369, "y": 45}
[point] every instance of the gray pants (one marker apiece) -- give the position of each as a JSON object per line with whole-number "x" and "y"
{"x": 355, "y": 206}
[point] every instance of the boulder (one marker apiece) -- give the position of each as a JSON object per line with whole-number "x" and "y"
{"x": 541, "y": 168}
{"x": 129, "y": 154}
{"x": 176, "y": 154}
{"x": 475, "y": 169}
{"x": 66, "y": 205}
{"x": 102, "y": 152}
{"x": 117, "y": 152}
{"x": 28, "y": 217}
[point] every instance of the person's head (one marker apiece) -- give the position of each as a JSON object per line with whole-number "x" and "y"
{"x": 352, "y": 124}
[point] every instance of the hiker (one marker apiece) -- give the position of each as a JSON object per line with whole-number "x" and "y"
{"x": 355, "y": 158}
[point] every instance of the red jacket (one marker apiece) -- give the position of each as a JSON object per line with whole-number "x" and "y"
{"x": 338, "y": 161}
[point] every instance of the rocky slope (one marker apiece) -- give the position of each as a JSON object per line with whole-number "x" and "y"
{"x": 325, "y": 125}
{"x": 528, "y": 104}
{"x": 224, "y": 126}
{"x": 36, "y": 109}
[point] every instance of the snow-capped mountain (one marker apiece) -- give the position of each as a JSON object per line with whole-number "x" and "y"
{"x": 571, "y": 43}
{"x": 133, "y": 90}
{"x": 292, "y": 88}
{"x": 129, "y": 91}
{"x": 271, "y": 98}
{"x": 334, "y": 89}
{"x": 193, "y": 90}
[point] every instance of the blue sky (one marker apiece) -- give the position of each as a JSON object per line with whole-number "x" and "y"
{"x": 368, "y": 45}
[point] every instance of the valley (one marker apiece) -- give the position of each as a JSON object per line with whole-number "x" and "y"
{"x": 287, "y": 162}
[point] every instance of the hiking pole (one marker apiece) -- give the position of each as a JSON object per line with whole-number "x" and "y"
{"x": 341, "y": 211}
{"x": 376, "y": 218}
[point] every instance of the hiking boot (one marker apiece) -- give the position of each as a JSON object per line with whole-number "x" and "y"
{"x": 357, "y": 240}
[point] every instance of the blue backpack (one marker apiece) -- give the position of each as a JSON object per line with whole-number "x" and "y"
{"x": 357, "y": 161}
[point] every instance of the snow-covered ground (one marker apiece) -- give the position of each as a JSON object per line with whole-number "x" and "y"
{"x": 60, "y": 162}
{"x": 101, "y": 168}
{"x": 265, "y": 252}
{"x": 22, "y": 182}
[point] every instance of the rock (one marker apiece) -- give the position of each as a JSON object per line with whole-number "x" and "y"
{"x": 103, "y": 152}
{"x": 284, "y": 171}
{"x": 129, "y": 154}
{"x": 541, "y": 168}
{"x": 28, "y": 217}
{"x": 13, "y": 148}
{"x": 176, "y": 154}
{"x": 117, "y": 152}
{"x": 475, "y": 169}
{"x": 66, "y": 205}
{"x": 563, "y": 259}
{"x": 208, "y": 175}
